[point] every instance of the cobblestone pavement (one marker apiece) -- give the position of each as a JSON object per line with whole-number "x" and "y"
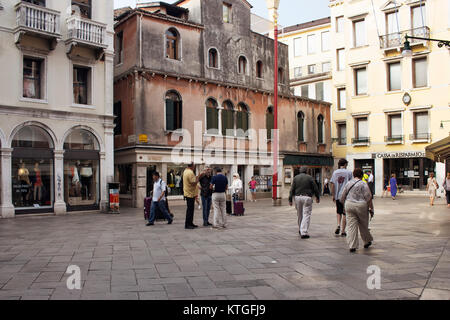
{"x": 260, "y": 255}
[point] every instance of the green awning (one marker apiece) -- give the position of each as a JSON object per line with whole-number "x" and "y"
{"x": 439, "y": 151}
{"x": 304, "y": 160}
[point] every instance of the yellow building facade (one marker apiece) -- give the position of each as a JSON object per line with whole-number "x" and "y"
{"x": 388, "y": 107}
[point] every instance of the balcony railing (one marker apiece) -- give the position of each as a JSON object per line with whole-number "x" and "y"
{"x": 37, "y": 19}
{"x": 395, "y": 40}
{"x": 394, "y": 139}
{"x": 420, "y": 137}
{"x": 86, "y": 31}
{"x": 361, "y": 140}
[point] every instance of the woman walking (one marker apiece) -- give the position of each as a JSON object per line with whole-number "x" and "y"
{"x": 432, "y": 186}
{"x": 393, "y": 186}
{"x": 252, "y": 184}
{"x": 358, "y": 205}
{"x": 385, "y": 186}
{"x": 447, "y": 189}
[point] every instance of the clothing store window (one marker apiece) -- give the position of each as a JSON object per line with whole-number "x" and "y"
{"x": 174, "y": 173}
{"x": 81, "y": 171}
{"x": 32, "y": 171}
{"x": 125, "y": 172}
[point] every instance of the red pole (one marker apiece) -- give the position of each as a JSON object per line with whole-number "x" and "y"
{"x": 275, "y": 134}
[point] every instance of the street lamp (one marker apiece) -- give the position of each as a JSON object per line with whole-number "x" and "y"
{"x": 272, "y": 5}
{"x": 407, "y": 51}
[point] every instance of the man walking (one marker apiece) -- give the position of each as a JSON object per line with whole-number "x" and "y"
{"x": 370, "y": 182}
{"x": 206, "y": 194}
{"x": 190, "y": 192}
{"x": 338, "y": 181}
{"x": 158, "y": 200}
{"x": 303, "y": 188}
{"x": 219, "y": 186}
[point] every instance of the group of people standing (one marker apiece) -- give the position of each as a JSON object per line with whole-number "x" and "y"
{"x": 353, "y": 198}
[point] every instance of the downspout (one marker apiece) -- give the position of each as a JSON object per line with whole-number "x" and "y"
{"x": 140, "y": 41}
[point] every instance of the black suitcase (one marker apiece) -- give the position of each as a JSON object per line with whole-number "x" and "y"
{"x": 229, "y": 207}
{"x": 159, "y": 214}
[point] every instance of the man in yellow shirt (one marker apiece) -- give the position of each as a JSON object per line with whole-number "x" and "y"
{"x": 190, "y": 192}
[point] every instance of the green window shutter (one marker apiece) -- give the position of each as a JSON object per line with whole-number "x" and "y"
{"x": 170, "y": 115}
{"x": 179, "y": 118}
{"x": 269, "y": 125}
{"x": 245, "y": 122}
{"x": 216, "y": 119}
{"x": 239, "y": 120}
{"x": 320, "y": 133}
{"x": 209, "y": 118}
{"x": 224, "y": 122}
{"x": 300, "y": 129}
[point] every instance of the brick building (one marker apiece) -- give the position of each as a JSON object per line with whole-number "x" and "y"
{"x": 193, "y": 82}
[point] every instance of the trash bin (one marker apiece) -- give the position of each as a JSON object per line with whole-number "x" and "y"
{"x": 113, "y": 190}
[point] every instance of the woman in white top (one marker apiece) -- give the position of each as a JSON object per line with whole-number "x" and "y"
{"x": 432, "y": 186}
{"x": 357, "y": 198}
{"x": 236, "y": 187}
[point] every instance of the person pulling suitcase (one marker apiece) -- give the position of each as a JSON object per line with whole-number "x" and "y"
{"x": 158, "y": 200}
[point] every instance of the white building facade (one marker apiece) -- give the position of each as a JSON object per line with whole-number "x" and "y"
{"x": 56, "y": 108}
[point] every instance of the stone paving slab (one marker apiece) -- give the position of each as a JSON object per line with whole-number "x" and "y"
{"x": 260, "y": 256}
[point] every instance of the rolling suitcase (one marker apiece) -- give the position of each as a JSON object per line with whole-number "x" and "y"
{"x": 229, "y": 208}
{"x": 239, "y": 208}
{"x": 147, "y": 206}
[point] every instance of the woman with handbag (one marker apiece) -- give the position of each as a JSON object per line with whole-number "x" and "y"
{"x": 432, "y": 186}
{"x": 357, "y": 199}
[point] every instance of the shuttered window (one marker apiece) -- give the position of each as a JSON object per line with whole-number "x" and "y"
{"x": 301, "y": 127}
{"x": 212, "y": 116}
{"x": 228, "y": 119}
{"x": 242, "y": 119}
{"x": 270, "y": 121}
{"x": 174, "y": 112}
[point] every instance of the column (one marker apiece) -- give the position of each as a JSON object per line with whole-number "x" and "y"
{"x": 6, "y": 206}
{"x": 246, "y": 179}
{"x": 60, "y": 206}
{"x": 139, "y": 184}
{"x": 108, "y": 170}
{"x": 104, "y": 199}
{"x": 379, "y": 176}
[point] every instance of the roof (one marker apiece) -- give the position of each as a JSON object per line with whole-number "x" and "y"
{"x": 120, "y": 11}
{"x": 181, "y": 1}
{"x": 157, "y": 4}
{"x": 306, "y": 25}
{"x": 439, "y": 151}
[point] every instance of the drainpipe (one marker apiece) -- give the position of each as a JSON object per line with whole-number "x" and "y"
{"x": 140, "y": 41}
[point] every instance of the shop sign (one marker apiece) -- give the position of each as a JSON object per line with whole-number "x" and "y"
{"x": 143, "y": 138}
{"x": 132, "y": 139}
{"x": 398, "y": 155}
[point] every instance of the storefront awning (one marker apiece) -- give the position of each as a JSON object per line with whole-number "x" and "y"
{"x": 439, "y": 151}
{"x": 305, "y": 160}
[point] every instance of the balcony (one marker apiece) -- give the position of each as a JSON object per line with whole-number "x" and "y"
{"x": 360, "y": 141}
{"x": 395, "y": 40}
{"x": 86, "y": 33}
{"x": 394, "y": 139}
{"x": 37, "y": 21}
{"x": 420, "y": 137}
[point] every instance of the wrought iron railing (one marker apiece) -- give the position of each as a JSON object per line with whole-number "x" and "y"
{"x": 361, "y": 140}
{"x": 420, "y": 136}
{"x": 396, "y": 39}
{"x": 394, "y": 139}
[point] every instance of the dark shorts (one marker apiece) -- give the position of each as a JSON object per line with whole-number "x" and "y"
{"x": 340, "y": 208}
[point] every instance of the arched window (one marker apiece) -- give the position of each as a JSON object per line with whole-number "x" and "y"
{"x": 242, "y": 120}
{"x": 320, "y": 129}
{"x": 259, "y": 69}
{"x": 242, "y": 68}
{"x": 32, "y": 170}
{"x": 270, "y": 121}
{"x": 212, "y": 116}
{"x": 172, "y": 44}
{"x": 81, "y": 171}
{"x": 228, "y": 119}
{"x": 301, "y": 126}
{"x": 280, "y": 75}
{"x": 213, "y": 58}
{"x": 174, "y": 111}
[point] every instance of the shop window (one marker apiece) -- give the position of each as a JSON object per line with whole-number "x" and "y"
{"x": 172, "y": 44}
{"x": 228, "y": 119}
{"x": 259, "y": 69}
{"x": 81, "y": 171}
{"x": 301, "y": 126}
{"x": 33, "y": 78}
{"x": 212, "y": 116}
{"x": 32, "y": 170}
{"x": 125, "y": 172}
{"x": 174, "y": 174}
{"x": 263, "y": 176}
{"x": 320, "y": 129}
{"x": 242, "y": 65}
{"x": 242, "y": 120}
{"x": 270, "y": 121}
{"x": 85, "y": 7}
{"x": 118, "y": 118}
{"x": 81, "y": 84}
{"x": 227, "y": 12}
{"x": 213, "y": 58}
{"x": 174, "y": 111}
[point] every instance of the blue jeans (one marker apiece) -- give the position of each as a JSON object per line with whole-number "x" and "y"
{"x": 162, "y": 206}
{"x": 206, "y": 206}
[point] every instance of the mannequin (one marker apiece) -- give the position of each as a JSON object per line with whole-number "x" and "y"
{"x": 86, "y": 173}
{"x": 24, "y": 178}
{"x": 75, "y": 179}
{"x": 38, "y": 183}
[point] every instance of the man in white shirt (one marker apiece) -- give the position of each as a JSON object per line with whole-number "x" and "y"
{"x": 370, "y": 182}
{"x": 158, "y": 200}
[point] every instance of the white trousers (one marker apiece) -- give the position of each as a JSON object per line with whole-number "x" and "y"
{"x": 303, "y": 204}
{"x": 219, "y": 202}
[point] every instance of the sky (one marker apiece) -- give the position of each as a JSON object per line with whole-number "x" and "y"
{"x": 291, "y": 12}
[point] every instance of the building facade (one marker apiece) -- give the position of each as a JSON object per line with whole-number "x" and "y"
{"x": 389, "y": 107}
{"x": 310, "y": 58}
{"x": 56, "y": 108}
{"x": 194, "y": 83}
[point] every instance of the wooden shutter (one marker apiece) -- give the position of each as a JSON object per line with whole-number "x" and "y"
{"x": 170, "y": 115}
{"x": 300, "y": 129}
{"x": 269, "y": 125}
{"x": 179, "y": 115}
